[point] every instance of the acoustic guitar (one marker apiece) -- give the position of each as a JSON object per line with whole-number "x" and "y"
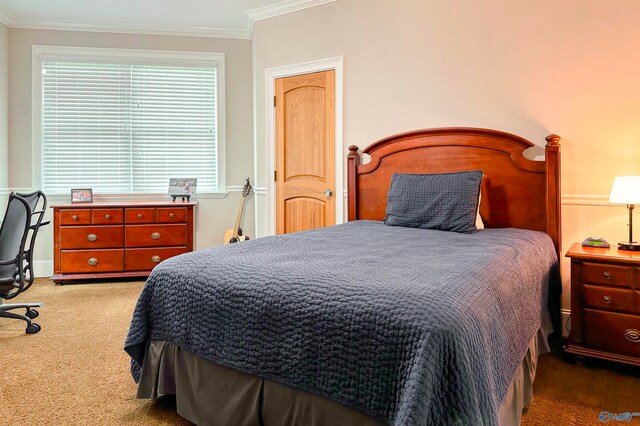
{"x": 234, "y": 235}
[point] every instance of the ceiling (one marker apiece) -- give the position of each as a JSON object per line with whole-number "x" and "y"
{"x": 214, "y": 18}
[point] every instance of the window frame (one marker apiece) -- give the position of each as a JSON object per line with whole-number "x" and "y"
{"x": 130, "y": 56}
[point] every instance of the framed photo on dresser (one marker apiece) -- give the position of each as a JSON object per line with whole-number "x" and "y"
{"x": 82, "y": 195}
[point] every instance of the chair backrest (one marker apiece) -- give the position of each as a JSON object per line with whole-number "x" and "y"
{"x": 38, "y": 204}
{"x": 33, "y": 198}
{"x": 13, "y": 236}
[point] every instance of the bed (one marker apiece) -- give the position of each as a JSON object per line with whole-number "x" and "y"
{"x": 363, "y": 323}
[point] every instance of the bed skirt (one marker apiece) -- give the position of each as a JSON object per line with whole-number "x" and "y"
{"x": 209, "y": 394}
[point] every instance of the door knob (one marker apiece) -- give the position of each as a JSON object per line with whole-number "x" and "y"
{"x": 328, "y": 193}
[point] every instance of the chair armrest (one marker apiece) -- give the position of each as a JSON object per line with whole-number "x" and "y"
{"x": 36, "y": 226}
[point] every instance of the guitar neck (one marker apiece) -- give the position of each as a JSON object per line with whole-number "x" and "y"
{"x": 238, "y": 217}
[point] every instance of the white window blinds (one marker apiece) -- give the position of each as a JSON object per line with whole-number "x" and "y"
{"x": 127, "y": 128}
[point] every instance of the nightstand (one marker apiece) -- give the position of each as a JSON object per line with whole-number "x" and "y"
{"x": 605, "y": 304}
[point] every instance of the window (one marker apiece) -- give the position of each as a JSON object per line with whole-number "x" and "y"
{"x": 125, "y": 125}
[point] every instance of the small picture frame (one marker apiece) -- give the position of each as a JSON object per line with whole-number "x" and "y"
{"x": 183, "y": 188}
{"x": 82, "y": 195}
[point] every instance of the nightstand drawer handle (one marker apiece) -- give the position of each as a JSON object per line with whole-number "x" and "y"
{"x": 171, "y": 215}
{"x": 155, "y": 259}
{"x": 107, "y": 216}
{"x": 92, "y": 237}
{"x": 632, "y": 335}
{"x": 93, "y": 261}
{"x": 74, "y": 217}
{"x": 155, "y": 236}
{"x": 139, "y": 215}
{"x": 606, "y": 299}
{"x": 607, "y": 275}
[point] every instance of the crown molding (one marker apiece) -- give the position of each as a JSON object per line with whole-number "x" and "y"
{"x": 232, "y": 33}
{"x": 246, "y": 33}
{"x": 282, "y": 8}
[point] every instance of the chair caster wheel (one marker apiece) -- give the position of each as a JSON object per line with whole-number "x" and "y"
{"x": 32, "y": 313}
{"x": 33, "y": 328}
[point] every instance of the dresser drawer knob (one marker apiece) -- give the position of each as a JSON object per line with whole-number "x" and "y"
{"x": 92, "y": 237}
{"x": 606, "y": 299}
{"x": 139, "y": 215}
{"x": 171, "y": 215}
{"x": 155, "y": 236}
{"x": 155, "y": 259}
{"x": 92, "y": 261}
{"x": 632, "y": 335}
{"x": 74, "y": 217}
{"x": 107, "y": 216}
{"x": 607, "y": 275}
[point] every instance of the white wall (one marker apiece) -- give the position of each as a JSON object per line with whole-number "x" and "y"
{"x": 4, "y": 117}
{"x": 213, "y": 215}
{"x": 525, "y": 67}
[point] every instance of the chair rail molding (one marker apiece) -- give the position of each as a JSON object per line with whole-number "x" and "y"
{"x": 587, "y": 200}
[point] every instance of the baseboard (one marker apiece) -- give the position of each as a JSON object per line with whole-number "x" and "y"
{"x": 43, "y": 268}
{"x": 565, "y": 314}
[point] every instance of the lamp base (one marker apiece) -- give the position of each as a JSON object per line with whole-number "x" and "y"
{"x": 631, "y": 246}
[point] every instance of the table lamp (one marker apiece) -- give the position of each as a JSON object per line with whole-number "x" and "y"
{"x": 626, "y": 190}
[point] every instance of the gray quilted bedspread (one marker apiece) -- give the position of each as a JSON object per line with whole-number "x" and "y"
{"x": 412, "y": 326}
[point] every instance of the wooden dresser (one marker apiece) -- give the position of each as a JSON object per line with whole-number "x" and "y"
{"x": 605, "y": 304}
{"x": 117, "y": 240}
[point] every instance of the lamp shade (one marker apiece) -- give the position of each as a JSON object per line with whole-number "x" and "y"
{"x": 625, "y": 190}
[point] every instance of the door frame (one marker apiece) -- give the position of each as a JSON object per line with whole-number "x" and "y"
{"x": 271, "y": 74}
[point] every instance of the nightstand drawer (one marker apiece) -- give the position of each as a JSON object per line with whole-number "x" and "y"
{"x": 602, "y": 273}
{"x": 608, "y": 298}
{"x": 612, "y": 332}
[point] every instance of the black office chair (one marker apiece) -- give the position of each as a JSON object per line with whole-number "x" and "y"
{"x": 16, "y": 266}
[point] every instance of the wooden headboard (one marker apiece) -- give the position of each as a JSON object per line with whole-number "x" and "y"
{"x": 516, "y": 192}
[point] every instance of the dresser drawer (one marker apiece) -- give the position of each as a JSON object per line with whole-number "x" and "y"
{"x": 611, "y": 332}
{"x": 601, "y": 273}
{"x": 87, "y": 261}
{"x": 107, "y": 216}
{"x": 155, "y": 235}
{"x": 140, "y": 215}
{"x": 75, "y": 217}
{"x": 608, "y": 298}
{"x": 172, "y": 214}
{"x": 147, "y": 258}
{"x": 80, "y": 237}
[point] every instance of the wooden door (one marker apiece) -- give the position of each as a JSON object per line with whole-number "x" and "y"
{"x": 305, "y": 152}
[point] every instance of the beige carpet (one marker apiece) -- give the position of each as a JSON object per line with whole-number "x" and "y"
{"x": 74, "y": 372}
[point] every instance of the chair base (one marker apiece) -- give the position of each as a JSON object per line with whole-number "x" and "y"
{"x": 30, "y": 314}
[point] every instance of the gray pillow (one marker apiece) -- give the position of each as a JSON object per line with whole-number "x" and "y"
{"x": 447, "y": 201}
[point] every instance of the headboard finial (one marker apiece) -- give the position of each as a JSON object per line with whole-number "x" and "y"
{"x": 553, "y": 140}
{"x": 353, "y": 149}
